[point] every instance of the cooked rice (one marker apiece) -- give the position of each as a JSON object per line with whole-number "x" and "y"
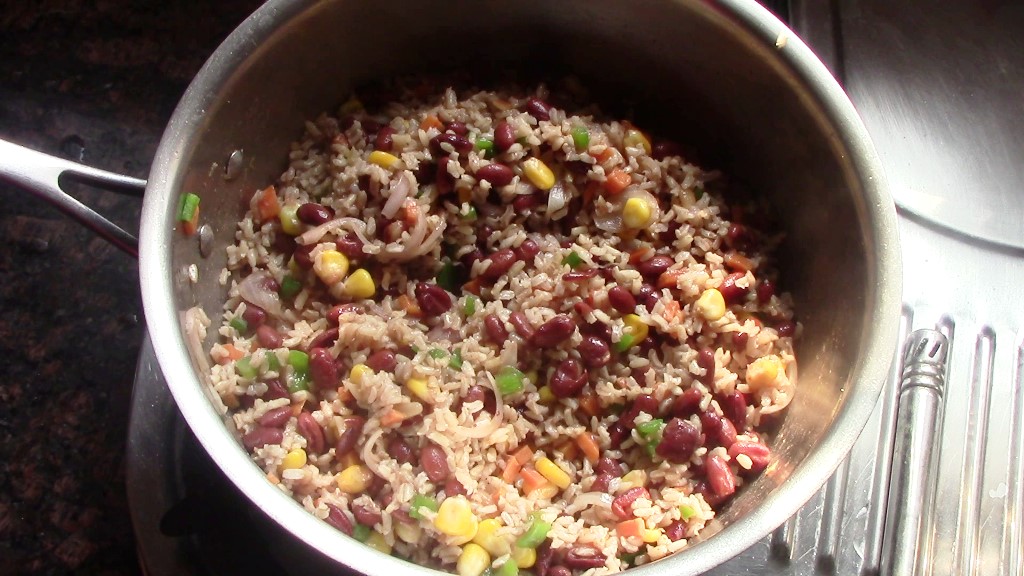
{"x": 330, "y": 166}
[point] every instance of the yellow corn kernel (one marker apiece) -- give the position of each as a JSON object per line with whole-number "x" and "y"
{"x": 636, "y": 139}
{"x": 524, "y": 557}
{"x": 473, "y": 560}
{"x": 547, "y": 491}
{"x": 455, "y": 518}
{"x": 487, "y": 537}
{"x": 763, "y": 372}
{"x": 532, "y": 376}
{"x": 651, "y": 535}
{"x": 354, "y": 479}
{"x": 418, "y": 387}
{"x": 546, "y": 395}
{"x": 360, "y": 285}
{"x": 294, "y": 459}
{"x": 358, "y": 372}
{"x": 408, "y": 533}
{"x": 383, "y": 159}
{"x": 553, "y": 473}
{"x": 377, "y": 542}
{"x": 633, "y": 479}
{"x": 636, "y": 213}
{"x": 289, "y": 218}
{"x": 350, "y": 459}
{"x": 538, "y": 173}
{"x": 711, "y": 305}
{"x": 330, "y": 266}
{"x": 636, "y": 327}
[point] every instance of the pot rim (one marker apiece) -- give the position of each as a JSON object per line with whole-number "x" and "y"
{"x": 157, "y": 283}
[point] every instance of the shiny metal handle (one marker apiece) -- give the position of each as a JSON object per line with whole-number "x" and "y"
{"x": 910, "y": 484}
{"x": 43, "y": 175}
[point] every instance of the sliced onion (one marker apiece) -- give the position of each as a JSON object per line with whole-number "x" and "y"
{"x": 258, "y": 289}
{"x": 637, "y": 192}
{"x": 558, "y": 198}
{"x": 608, "y": 214}
{"x": 398, "y": 191}
{"x": 441, "y": 332}
{"x": 313, "y": 235}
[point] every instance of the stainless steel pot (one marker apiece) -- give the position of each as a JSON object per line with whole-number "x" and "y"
{"x": 723, "y": 76}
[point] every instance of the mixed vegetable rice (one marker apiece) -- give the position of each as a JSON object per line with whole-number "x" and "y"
{"x": 494, "y": 332}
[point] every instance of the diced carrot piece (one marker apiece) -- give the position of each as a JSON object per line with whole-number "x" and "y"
{"x": 267, "y": 206}
{"x": 391, "y": 417}
{"x": 604, "y": 155}
{"x": 673, "y": 310}
{"x": 630, "y": 528}
{"x": 738, "y": 262}
{"x": 272, "y": 478}
{"x": 431, "y": 121}
{"x": 532, "y": 480}
{"x": 591, "y": 190}
{"x": 473, "y": 286}
{"x": 412, "y": 212}
{"x": 668, "y": 278}
{"x": 569, "y": 450}
{"x": 410, "y": 306}
{"x": 640, "y": 254}
{"x": 343, "y": 394}
{"x": 524, "y": 454}
{"x": 189, "y": 227}
{"x": 591, "y": 451}
{"x": 230, "y": 400}
{"x": 590, "y": 404}
{"x": 617, "y": 181}
{"x": 511, "y": 471}
{"x": 233, "y": 354}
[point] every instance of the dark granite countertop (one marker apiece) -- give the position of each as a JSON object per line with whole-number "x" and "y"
{"x": 94, "y": 82}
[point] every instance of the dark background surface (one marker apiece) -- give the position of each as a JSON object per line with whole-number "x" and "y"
{"x": 94, "y": 82}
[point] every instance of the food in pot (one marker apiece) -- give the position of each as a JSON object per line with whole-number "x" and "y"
{"x": 495, "y": 332}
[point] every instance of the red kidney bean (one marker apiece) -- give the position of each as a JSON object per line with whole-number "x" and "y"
{"x": 268, "y": 337}
{"x": 609, "y": 465}
{"x": 676, "y": 530}
{"x": 322, "y": 369}
{"x": 734, "y": 406}
{"x": 303, "y": 255}
{"x": 434, "y": 462}
{"x": 275, "y": 389}
{"x": 382, "y": 361}
{"x": 621, "y": 299}
{"x": 260, "y": 436}
{"x": 504, "y": 136}
{"x": 524, "y": 203}
{"x": 740, "y": 339}
{"x": 568, "y": 379}
{"x": 648, "y": 296}
{"x": 471, "y": 257}
{"x": 325, "y": 339}
{"x": 554, "y": 331}
{"x": 738, "y": 236}
{"x": 594, "y": 351}
{"x": 584, "y": 556}
{"x": 704, "y": 489}
{"x": 731, "y": 292}
{"x": 601, "y": 482}
{"x": 617, "y": 433}
{"x": 458, "y": 143}
{"x": 312, "y": 432}
{"x": 679, "y": 439}
{"x": 558, "y": 570}
{"x": 717, "y": 429}
{"x": 622, "y": 504}
{"x": 527, "y": 250}
{"x": 479, "y": 393}
{"x": 366, "y": 515}
{"x": 276, "y": 418}
{"x": 349, "y": 437}
{"x": 758, "y": 453}
{"x": 315, "y": 214}
{"x": 385, "y": 139}
{"x": 579, "y": 275}
{"x": 350, "y": 245}
{"x": 453, "y": 487}
{"x": 500, "y": 263}
{"x": 400, "y": 450}
{"x": 654, "y": 266}
{"x": 494, "y": 328}
{"x": 538, "y": 109}
{"x": 720, "y": 477}
{"x": 338, "y": 310}
{"x": 442, "y": 178}
{"x": 786, "y": 328}
{"x": 706, "y": 360}
{"x": 457, "y": 127}
{"x": 495, "y": 173}
{"x": 643, "y": 403}
{"x": 369, "y": 125}
{"x": 522, "y": 325}
{"x": 483, "y": 233}
{"x": 765, "y": 291}
{"x": 403, "y": 516}
{"x": 664, "y": 148}
{"x": 669, "y": 235}
{"x": 583, "y": 309}
{"x": 687, "y": 403}
{"x": 433, "y": 300}
{"x": 338, "y": 519}
{"x": 254, "y": 316}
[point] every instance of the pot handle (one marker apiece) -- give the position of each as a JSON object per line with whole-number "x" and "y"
{"x": 44, "y": 176}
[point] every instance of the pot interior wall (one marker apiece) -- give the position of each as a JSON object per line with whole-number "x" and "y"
{"x": 683, "y": 69}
